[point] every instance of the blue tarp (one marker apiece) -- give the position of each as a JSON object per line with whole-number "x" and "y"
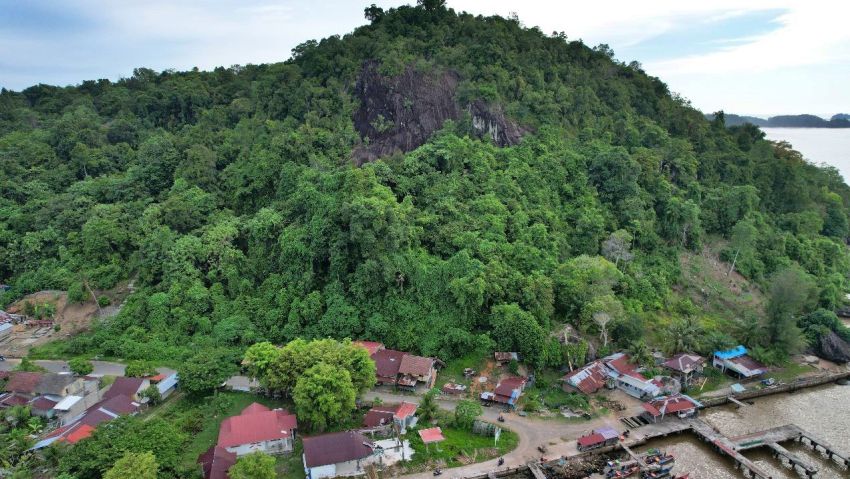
{"x": 737, "y": 388}
{"x": 740, "y": 350}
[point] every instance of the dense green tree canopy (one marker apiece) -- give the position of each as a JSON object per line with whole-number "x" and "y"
{"x": 230, "y": 197}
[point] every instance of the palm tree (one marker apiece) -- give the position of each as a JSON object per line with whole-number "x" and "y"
{"x": 428, "y": 407}
{"x": 683, "y": 335}
{"x": 640, "y": 353}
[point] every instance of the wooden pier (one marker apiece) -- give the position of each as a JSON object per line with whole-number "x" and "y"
{"x": 727, "y": 447}
{"x": 796, "y": 463}
{"x": 739, "y": 403}
{"x": 824, "y": 449}
{"x": 536, "y": 471}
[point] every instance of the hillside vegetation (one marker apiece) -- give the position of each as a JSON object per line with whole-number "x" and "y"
{"x": 543, "y": 182}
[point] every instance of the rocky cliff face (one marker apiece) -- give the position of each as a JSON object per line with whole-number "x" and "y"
{"x": 833, "y": 348}
{"x": 400, "y": 113}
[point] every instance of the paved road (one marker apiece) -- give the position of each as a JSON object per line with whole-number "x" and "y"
{"x": 556, "y": 434}
{"x": 103, "y": 368}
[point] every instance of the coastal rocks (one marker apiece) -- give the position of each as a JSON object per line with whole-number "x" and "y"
{"x": 400, "y": 112}
{"x": 833, "y": 348}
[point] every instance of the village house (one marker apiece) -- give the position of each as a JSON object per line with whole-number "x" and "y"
{"x": 20, "y": 388}
{"x": 417, "y": 369}
{"x": 615, "y": 370}
{"x": 738, "y": 362}
{"x": 336, "y": 454}
{"x": 103, "y": 411}
{"x": 678, "y": 405}
{"x": 503, "y": 357}
{"x": 588, "y": 379}
{"x": 507, "y": 391}
{"x": 401, "y": 369}
{"x": 685, "y": 367}
{"x": 601, "y": 437}
{"x": 130, "y": 387}
{"x": 215, "y": 462}
{"x": 401, "y": 416}
{"x": 166, "y": 383}
{"x": 258, "y": 428}
{"x": 628, "y": 379}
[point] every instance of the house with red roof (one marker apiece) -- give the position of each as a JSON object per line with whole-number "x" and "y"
{"x": 387, "y": 364}
{"x": 258, "y": 428}
{"x": 616, "y": 370}
{"x": 335, "y": 454}
{"x": 588, "y": 379}
{"x": 627, "y": 378}
{"x": 371, "y": 346}
{"x": 604, "y": 436}
{"x": 401, "y": 415}
{"x": 677, "y": 405}
{"x": 685, "y": 367}
{"x": 400, "y": 369}
{"x": 130, "y": 387}
{"x": 417, "y": 369}
{"x": 215, "y": 462}
{"x": 507, "y": 391}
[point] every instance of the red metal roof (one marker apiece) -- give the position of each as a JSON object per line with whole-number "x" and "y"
{"x": 590, "y": 378}
{"x": 670, "y": 405}
{"x": 507, "y": 385}
{"x": 216, "y": 462}
{"x": 123, "y": 385}
{"x": 387, "y": 363}
{"x": 371, "y": 346}
{"x": 42, "y": 403}
{"x": 335, "y": 447}
{"x": 416, "y": 365}
{"x": 12, "y": 399}
{"x": 23, "y": 382}
{"x": 684, "y": 362}
{"x": 405, "y": 410}
{"x": 434, "y": 434}
{"x": 375, "y": 418}
{"x": 120, "y": 404}
{"x": 254, "y": 407}
{"x": 256, "y": 426}
{"x": 78, "y": 434}
{"x": 591, "y": 439}
{"x": 651, "y": 409}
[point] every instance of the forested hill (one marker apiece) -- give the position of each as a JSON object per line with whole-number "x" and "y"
{"x": 511, "y": 181}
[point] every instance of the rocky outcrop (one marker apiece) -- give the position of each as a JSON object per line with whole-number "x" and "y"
{"x": 833, "y": 348}
{"x": 400, "y": 113}
{"x": 490, "y": 121}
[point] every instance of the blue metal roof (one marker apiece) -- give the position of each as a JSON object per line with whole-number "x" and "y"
{"x": 740, "y": 350}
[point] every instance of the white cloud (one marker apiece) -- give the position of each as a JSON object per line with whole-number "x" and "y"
{"x": 772, "y": 72}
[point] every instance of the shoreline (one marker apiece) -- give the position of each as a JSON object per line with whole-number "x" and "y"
{"x": 671, "y": 427}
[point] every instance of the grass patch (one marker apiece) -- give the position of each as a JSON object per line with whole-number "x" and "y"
{"x": 289, "y": 466}
{"x": 460, "y": 447}
{"x": 790, "y": 372}
{"x": 453, "y": 372}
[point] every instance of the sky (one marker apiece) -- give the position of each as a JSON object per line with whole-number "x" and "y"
{"x": 758, "y": 57}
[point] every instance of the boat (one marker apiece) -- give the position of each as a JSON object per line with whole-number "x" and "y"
{"x": 659, "y": 474}
{"x": 654, "y": 452}
{"x": 660, "y": 459}
{"x": 625, "y": 472}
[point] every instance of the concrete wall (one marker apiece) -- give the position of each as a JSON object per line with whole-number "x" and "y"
{"x": 792, "y": 386}
{"x": 321, "y": 471}
{"x": 269, "y": 447}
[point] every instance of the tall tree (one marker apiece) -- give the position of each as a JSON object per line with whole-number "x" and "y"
{"x": 133, "y": 465}
{"x": 324, "y": 396}
{"x": 256, "y": 465}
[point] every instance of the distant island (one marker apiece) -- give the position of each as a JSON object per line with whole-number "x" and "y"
{"x": 840, "y": 120}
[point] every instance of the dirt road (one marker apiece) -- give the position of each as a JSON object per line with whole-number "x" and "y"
{"x": 558, "y": 435}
